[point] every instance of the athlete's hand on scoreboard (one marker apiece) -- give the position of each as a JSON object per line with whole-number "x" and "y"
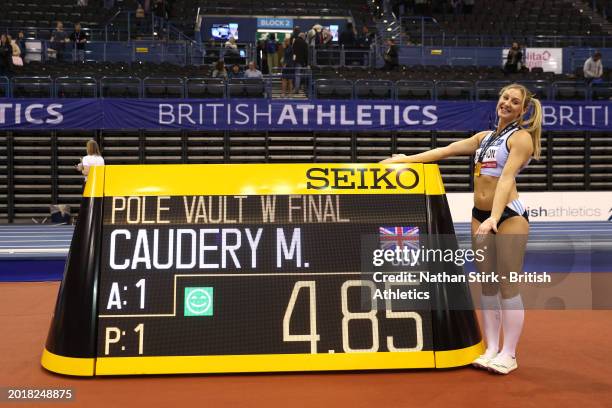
{"x": 393, "y": 159}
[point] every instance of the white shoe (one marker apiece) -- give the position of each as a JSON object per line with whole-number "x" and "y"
{"x": 482, "y": 361}
{"x": 503, "y": 364}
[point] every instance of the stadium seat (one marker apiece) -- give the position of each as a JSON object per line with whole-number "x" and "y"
{"x": 373, "y": 89}
{"x": 163, "y": 87}
{"x": 414, "y": 90}
{"x": 205, "y": 88}
{"x": 455, "y": 90}
{"x": 32, "y": 87}
{"x": 76, "y": 87}
{"x": 246, "y": 88}
{"x": 570, "y": 91}
{"x": 333, "y": 89}
{"x": 601, "y": 91}
{"x": 120, "y": 87}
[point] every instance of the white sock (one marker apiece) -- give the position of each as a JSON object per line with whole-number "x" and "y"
{"x": 513, "y": 314}
{"x": 491, "y": 322}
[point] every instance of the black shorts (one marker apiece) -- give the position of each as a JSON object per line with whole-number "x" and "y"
{"x": 482, "y": 215}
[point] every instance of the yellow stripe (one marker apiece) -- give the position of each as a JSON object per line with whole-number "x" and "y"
{"x": 461, "y": 357}
{"x": 95, "y": 182}
{"x": 433, "y": 180}
{"x": 67, "y": 365}
{"x": 263, "y": 363}
{"x": 261, "y": 179}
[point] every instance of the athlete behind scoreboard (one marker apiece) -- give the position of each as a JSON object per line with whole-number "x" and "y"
{"x": 499, "y": 156}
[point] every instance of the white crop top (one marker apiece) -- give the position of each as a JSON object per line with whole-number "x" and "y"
{"x": 496, "y": 154}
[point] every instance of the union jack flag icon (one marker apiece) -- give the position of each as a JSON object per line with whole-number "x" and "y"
{"x": 393, "y": 237}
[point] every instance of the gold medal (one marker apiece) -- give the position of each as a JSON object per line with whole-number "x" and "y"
{"x": 477, "y": 167}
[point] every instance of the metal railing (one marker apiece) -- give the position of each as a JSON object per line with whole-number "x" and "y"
{"x": 339, "y": 56}
{"x": 135, "y": 87}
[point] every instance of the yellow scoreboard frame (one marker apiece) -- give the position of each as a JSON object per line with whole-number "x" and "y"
{"x": 72, "y": 348}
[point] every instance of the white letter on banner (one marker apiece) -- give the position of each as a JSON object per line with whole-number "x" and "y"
{"x": 214, "y": 106}
{"x": 548, "y": 112}
{"x": 186, "y": 115}
{"x": 331, "y": 115}
{"x": 429, "y": 111}
{"x": 364, "y": 116}
{"x": 169, "y": 112}
{"x": 343, "y": 119}
{"x": 3, "y": 107}
{"x": 593, "y": 110}
{"x": 565, "y": 112}
{"x": 241, "y": 113}
{"x": 305, "y": 108}
{"x": 28, "y": 113}
{"x": 113, "y": 264}
{"x": 406, "y": 117}
{"x": 51, "y": 110}
{"x": 287, "y": 113}
{"x": 267, "y": 114}
{"x": 383, "y": 113}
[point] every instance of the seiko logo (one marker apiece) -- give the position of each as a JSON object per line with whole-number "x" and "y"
{"x": 362, "y": 178}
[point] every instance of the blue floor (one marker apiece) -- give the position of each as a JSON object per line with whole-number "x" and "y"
{"x": 38, "y": 252}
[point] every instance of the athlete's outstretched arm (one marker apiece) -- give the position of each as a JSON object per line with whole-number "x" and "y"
{"x": 459, "y": 148}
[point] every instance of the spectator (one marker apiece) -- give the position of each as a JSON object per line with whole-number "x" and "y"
{"x": 348, "y": 36}
{"x": 140, "y": 21}
{"x": 231, "y": 48}
{"x": 287, "y": 73}
{"x": 16, "y": 52}
{"x": 593, "y": 68}
{"x": 93, "y": 158}
{"x": 314, "y": 38}
{"x": 82, "y": 3}
{"x": 21, "y": 42}
{"x": 514, "y": 59}
{"x": 272, "y": 52}
{"x": 79, "y": 38}
{"x": 327, "y": 37}
{"x": 59, "y": 38}
{"x": 296, "y": 32}
{"x": 391, "y": 56}
{"x": 235, "y": 72}
{"x": 300, "y": 59}
{"x": 366, "y": 39}
{"x": 198, "y": 29}
{"x": 253, "y": 72}
{"x": 219, "y": 71}
{"x": 6, "y": 52}
{"x": 262, "y": 58}
{"x": 161, "y": 12}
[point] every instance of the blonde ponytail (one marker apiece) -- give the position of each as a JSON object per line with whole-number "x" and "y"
{"x": 533, "y": 126}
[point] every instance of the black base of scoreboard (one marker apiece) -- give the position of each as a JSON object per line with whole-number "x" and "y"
{"x": 75, "y": 345}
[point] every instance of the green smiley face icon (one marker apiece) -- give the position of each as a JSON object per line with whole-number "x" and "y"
{"x": 199, "y": 301}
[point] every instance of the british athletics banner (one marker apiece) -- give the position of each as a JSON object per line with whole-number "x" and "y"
{"x": 264, "y": 114}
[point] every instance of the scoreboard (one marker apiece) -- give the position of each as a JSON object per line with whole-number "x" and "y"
{"x": 257, "y": 268}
